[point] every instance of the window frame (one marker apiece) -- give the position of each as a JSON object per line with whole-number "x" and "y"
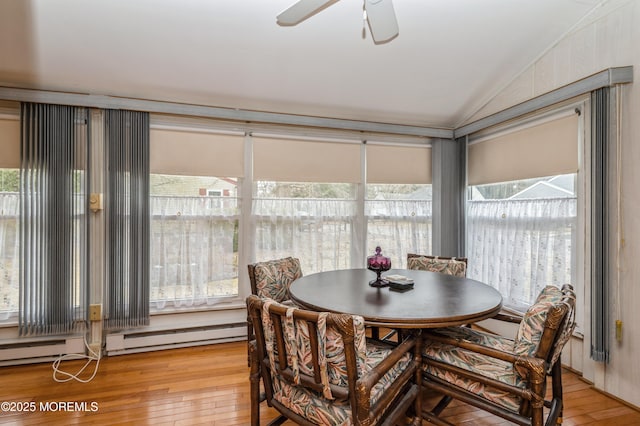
{"x": 582, "y": 106}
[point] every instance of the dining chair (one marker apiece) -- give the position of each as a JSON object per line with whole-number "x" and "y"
{"x": 506, "y": 377}
{"x": 271, "y": 279}
{"x": 456, "y": 266}
{"x": 319, "y": 368}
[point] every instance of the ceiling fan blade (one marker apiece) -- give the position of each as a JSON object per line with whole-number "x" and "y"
{"x": 382, "y": 20}
{"x": 301, "y": 10}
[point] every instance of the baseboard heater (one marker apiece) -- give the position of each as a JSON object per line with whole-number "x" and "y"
{"x": 42, "y": 349}
{"x": 143, "y": 341}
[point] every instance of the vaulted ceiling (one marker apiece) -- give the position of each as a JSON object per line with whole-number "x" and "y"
{"x": 450, "y": 58}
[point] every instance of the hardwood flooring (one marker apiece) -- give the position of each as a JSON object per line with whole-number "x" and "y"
{"x": 208, "y": 385}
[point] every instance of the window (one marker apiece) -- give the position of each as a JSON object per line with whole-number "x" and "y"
{"x": 305, "y": 201}
{"x": 195, "y": 215}
{"x": 398, "y": 200}
{"x": 522, "y": 210}
{"x": 194, "y": 241}
{"x": 521, "y": 236}
{"x": 311, "y": 221}
{"x": 328, "y": 221}
{"x": 9, "y": 242}
{"x": 399, "y": 220}
{"x": 9, "y": 212}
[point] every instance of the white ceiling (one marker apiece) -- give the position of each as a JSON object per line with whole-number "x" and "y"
{"x": 451, "y": 57}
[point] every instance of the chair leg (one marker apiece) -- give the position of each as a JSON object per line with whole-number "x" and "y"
{"x": 250, "y": 337}
{"x": 556, "y": 388}
{"x": 375, "y": 333}
{"x": 417, "y": 357}
{"x": 254, "y": 379}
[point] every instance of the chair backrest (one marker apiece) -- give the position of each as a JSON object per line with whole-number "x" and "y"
{"x": 456, "y": 266}
{"x": 325, "y": 352}
{"x": 547, "y": 325}
{"x": 272, "y": 278}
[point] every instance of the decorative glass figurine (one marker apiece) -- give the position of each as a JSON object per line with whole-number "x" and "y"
{"x": 378, "y": 263}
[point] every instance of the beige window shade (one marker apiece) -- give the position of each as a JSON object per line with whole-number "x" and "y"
{"x": 547, "y": 149}
{"x": 194, "y": 153}
{"x": 398, "y": 164}
{"x": 9, "y": 143}
{"x": 293, "y": 160}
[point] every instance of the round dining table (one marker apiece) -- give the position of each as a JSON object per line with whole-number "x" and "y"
{"x": 436, "y": 299}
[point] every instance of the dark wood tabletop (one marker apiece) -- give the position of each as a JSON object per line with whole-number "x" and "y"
{"x": 436, "y": 300}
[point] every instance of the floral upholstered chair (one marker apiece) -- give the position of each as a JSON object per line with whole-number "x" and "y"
{"x": 456, "y": 266}
{"x": 506, "y": 377}
{"x": 271, "y": 279}
{"x": 319, "y": 368}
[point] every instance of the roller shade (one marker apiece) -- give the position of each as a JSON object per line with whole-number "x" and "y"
{"x": 10, "y": 143}
{"x": 196, "y": 153}
{"x": 295, "y": 160}
{"x": 547, "y": 149}
{"x": 398, "y": 164}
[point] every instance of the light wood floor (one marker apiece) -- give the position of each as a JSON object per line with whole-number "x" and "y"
{"x": 209, "y": 385}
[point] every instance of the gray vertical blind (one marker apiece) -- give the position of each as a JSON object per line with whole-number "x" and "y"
{"x": 600, "y": 101}
{"x": 53, "y": 225}
{"x": 449, "y": 180}
{"x": 128, "y": 216}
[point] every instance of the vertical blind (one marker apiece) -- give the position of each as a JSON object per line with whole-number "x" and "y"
{"x": 127, "y": 150}
{"x": 599, "y": 225}
{"x": 53, "y": 225}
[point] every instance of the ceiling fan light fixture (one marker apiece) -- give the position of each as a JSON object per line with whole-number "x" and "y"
{"x": 378, "y": 14}
{"x": 381, "y": 17}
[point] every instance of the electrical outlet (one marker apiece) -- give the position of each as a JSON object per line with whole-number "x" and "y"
{"x": 619, "y": 330}
{"x": 95, "y": 312}
{"x": 96, "y": 202}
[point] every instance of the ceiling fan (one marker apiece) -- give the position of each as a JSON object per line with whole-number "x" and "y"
{"x": 379, "y": 14}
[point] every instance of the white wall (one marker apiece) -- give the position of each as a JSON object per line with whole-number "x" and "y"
{"x": 612, "y": 40}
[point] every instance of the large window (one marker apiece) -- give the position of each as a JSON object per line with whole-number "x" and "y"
{"x": 195, "y": 178}
{"x": 331, "y": 203}
{"x": 9, "y": 212}
{"x": 521, "y": 236}
{"x": 398, "y": 198}
{"x": 327, "y": 202}
{"x": 522, "y": 211}
{"x": 194, "y": 240}
{"x": 9, "y": 242}
{"x": 305, "y": 201}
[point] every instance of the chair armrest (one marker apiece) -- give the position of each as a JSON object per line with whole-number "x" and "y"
{"x": 474, "y": 347}
{"x": 365, "y": 384}
{"x": 506, "y": 317}
{"x": 372, "y": 377}
{"x": 527, "y": 366}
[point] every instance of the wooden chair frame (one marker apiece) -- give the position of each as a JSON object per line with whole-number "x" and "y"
{"x": 558, "y": 327}
{"x": 251, "y": 269}
{"x": 402, "y": 396}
